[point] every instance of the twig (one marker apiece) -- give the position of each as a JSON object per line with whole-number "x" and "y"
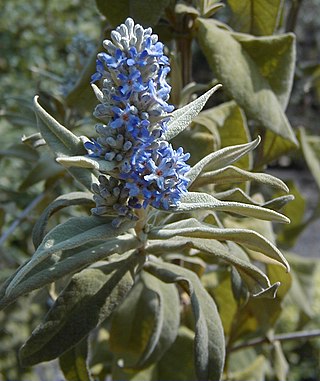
{"x": 299, "y": 335}
{"x": 20, "y": 218}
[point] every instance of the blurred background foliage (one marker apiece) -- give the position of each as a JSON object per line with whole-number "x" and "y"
{"x": 49, "y": 48}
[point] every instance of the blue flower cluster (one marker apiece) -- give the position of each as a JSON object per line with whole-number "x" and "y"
{"x": 133, "y": 107}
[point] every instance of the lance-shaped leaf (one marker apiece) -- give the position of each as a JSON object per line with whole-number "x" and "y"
{"x": 73, "y": 363}
{"x": 61, "y": 140}
{"x": 67, "y": 263}
{"x": 231, "y": 174}
{"x": 209, "y": 343}
{"x": 257, "y": 282}
{"x": 73, "y": 198}
{"x": 101, "y": 165}
{"x": 46, "y": 168}
{"x": 221, "y": 158}
{"x": 229, "y": 122}
{"x": 239, "y": 195}
{"x": 247, "y": 238}
{"x": 255, "y": 16}
{"x": 182, "y": 117}
{"x": 73, "y": 233}
{"x": 63, "y": 143}
{"x": 251, "y": 81}
{"x": 89, "y": 298}
{"x": 203, "y": 201}
{"x": 146, "y": 324}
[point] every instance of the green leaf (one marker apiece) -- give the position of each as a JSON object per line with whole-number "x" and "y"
{"x": 231, "y": 174}
{"x": 257, "y": 282}
{"x": 272, "y": 148}
{"x": 66, "y": 263}
{"x": 310, "y": 156}
{"x": 255, "y": 16}
{"x": 221, "y": 158}
{"x": 182, "y": 117}
{"x": 209, "y": 338}
{"x": 73, "y": 233}
{"x": 81, "y": 95}
{"x": 255, "y": 370}
{"x": 73, "y": 363}
{"x": 301, "y": 294}
{"x": 73, "y": 198}
{"x": 230, "y": 122}
{"x": 20, "y": 151}
{"x": 101, "y": 165}
{"x": 181, "y": 352}
{"x": 146, "y": 13}
{"x": 89, "y": 298}
{"x": 44, "y": 169}
{"x": 245, "y": 237}
{"x": 203, "y": 201}
{"x": 61, "y": 140}
{"x": 281, "y": 366}
{"x": 274, "y": 57}
{"x": 254, "y": 81}
{"x": 287, "y": 236}
{"x": 146, "y": 324}
{"x": 63, "y": 143}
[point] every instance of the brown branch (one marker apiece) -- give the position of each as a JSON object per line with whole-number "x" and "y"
{"x": 299, "y": 335}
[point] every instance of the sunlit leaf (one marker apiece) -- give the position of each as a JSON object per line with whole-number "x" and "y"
{"x": 203, "y": 201}
{"x": 247, "y": 238}
{"x": 220, "y": 159}
{"x": 73, "y": 233}
{"x": 63, "y": 143}
{"x": 251, "y": 82}
{"x": 255, "y": 16}
{"x": 73, "y": 198}
{"x": 181, "y": 118}
{"x": 231, "y": 174}
{"x": 230, "y": 121}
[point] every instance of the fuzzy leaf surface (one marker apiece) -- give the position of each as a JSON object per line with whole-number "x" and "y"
{"x": 254, "y": 81}
{"x": 66, "y": 263}
{"x": 255, "y": 279}
{"x": 146, "y": 324}
{"x": 63, "y": 143}
{"x": 245, "y": 237}
{"x": 89, "y": 298}
{"x": 203, "y": 201}
{"x": 182, "y": 117}
{"x": 231, "y": 174}
{"x": 221, "y": 158}
{"x": 209, "y": 343}
{"x": 73, "y": 233}
{"x": 230, "y": 122}
{"x": 73, "y": 198}
{"x": 103, "y": 166}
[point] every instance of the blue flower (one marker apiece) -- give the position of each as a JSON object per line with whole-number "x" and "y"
{"x": 133, "y": 104}
{"x": 124, "y": 117}
{"x": 157, "y": 175}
